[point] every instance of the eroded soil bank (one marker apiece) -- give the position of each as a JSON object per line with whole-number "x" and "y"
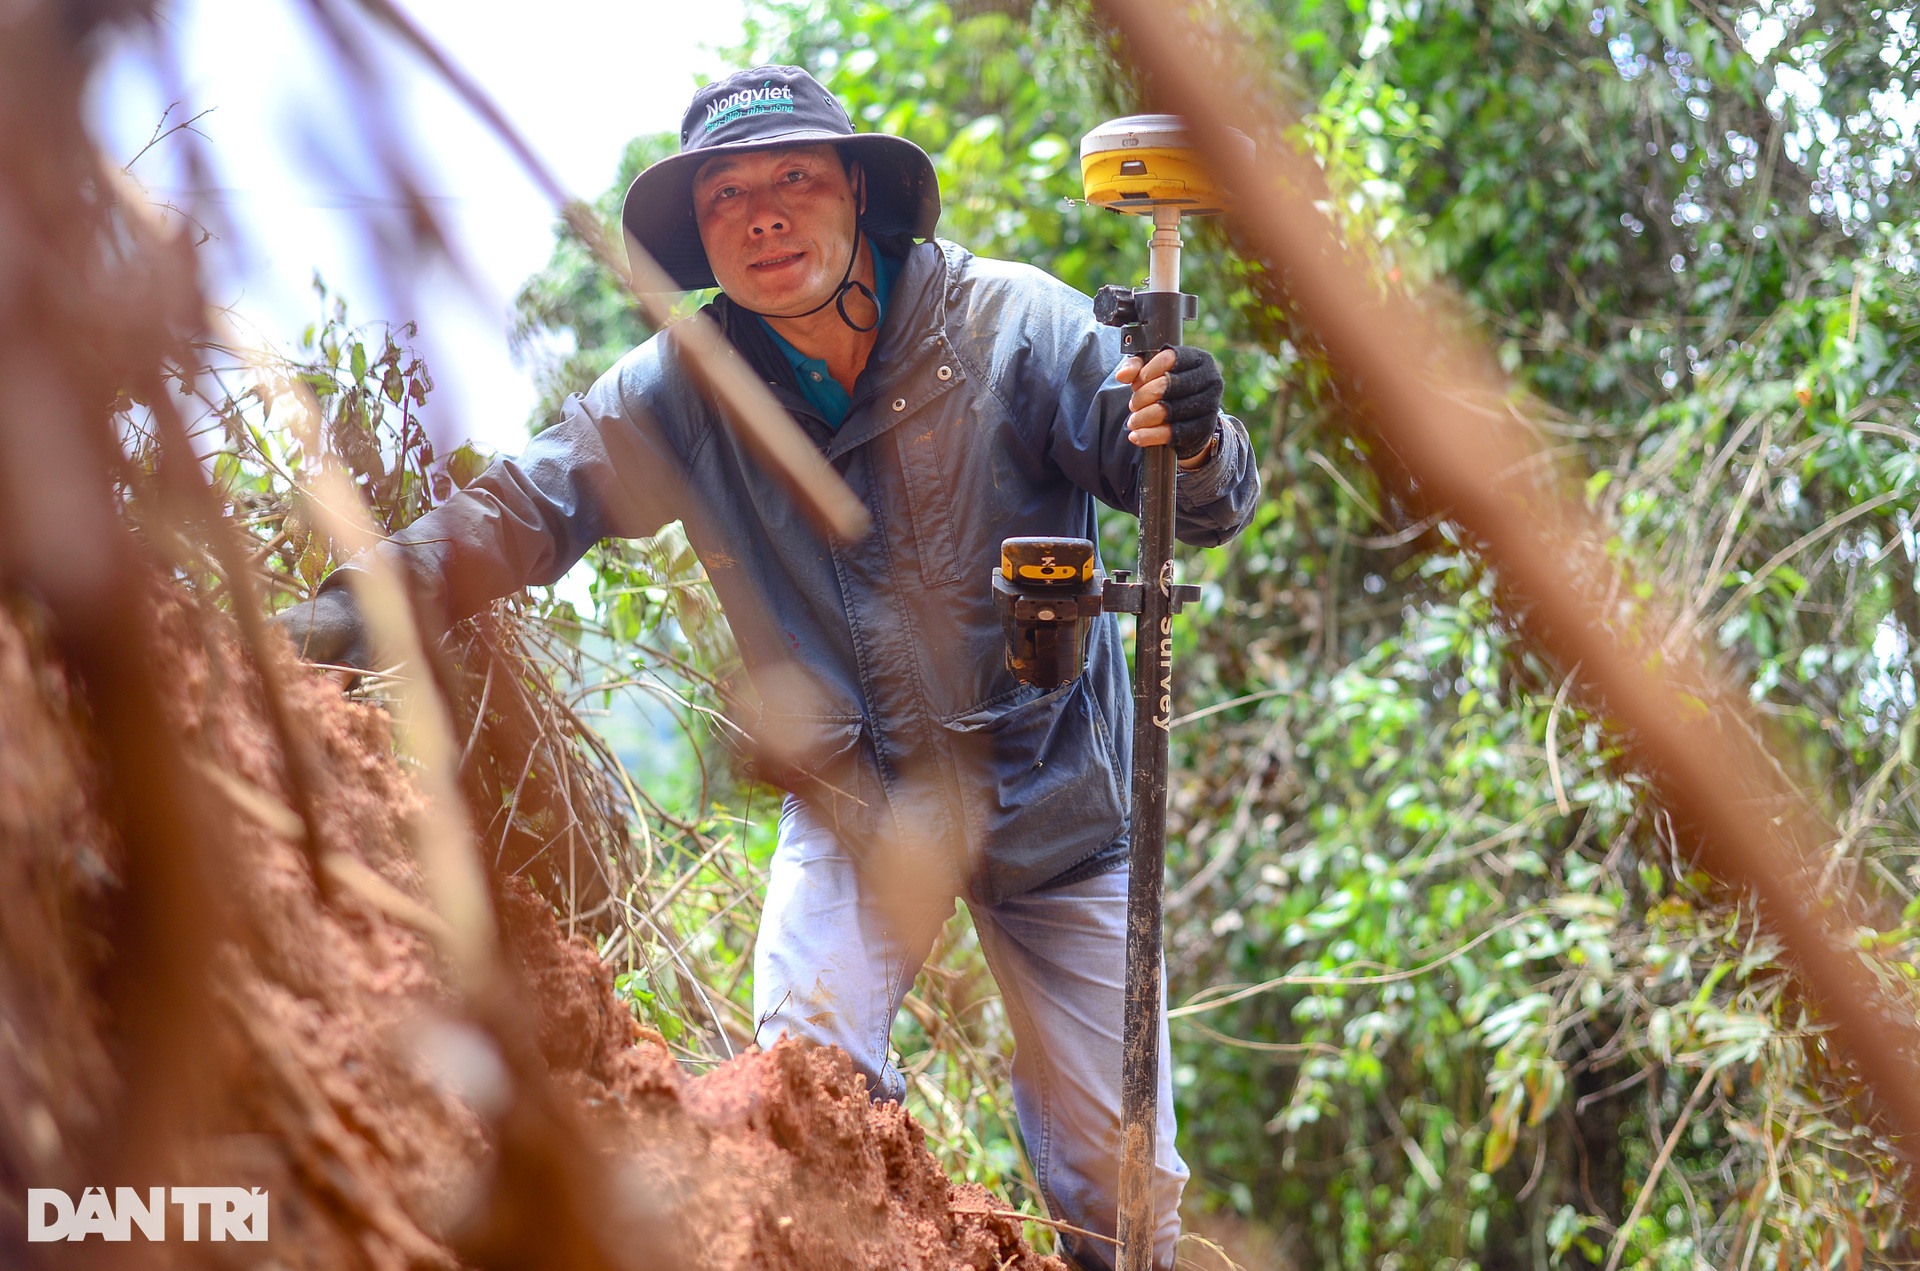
{"x": 333, "y": 1066}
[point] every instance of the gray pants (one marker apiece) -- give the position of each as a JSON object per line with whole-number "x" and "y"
{"x": 833, "y": 966}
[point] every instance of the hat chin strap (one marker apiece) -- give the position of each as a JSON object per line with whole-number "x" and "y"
{"x": 839, "y": 297}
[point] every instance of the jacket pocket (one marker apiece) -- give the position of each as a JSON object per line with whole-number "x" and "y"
{"x": 1040, "y": 772}
{"x": 827, "y": 761}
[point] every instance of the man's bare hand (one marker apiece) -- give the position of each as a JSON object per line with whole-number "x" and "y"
{"x": 1176, "y": 399}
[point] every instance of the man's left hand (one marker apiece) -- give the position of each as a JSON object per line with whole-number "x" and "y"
{"x": 1176, "y": 398}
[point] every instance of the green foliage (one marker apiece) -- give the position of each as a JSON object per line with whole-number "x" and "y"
{"x": 1416, "y": 792}
{"x": 347, "y": 400}
{"x": 572, "y": 320}
{"x": 1448, "y": 991}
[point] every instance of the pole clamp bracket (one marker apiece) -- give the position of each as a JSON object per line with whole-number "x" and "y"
{"x": 1134, "y": 311}
{"x": 1120, "y": 594}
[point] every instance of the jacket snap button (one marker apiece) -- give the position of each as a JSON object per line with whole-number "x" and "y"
{"x": 945, "y": 372}
{"x": 899, "y": 403}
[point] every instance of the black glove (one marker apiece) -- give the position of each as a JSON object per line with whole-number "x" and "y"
{"x": 1192, "y": 398}
{"x": 328, "y": 629}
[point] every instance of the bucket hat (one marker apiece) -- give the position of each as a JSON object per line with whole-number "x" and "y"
{"x": 760, "y": 109}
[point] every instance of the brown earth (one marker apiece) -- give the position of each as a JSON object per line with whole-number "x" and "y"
{"x": 339, "y": 1070}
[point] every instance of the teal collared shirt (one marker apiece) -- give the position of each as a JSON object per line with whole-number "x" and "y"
{"x": 817, "y": 385}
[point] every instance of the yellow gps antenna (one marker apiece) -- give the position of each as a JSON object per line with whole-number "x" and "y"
{"x": 1148, "y": 165}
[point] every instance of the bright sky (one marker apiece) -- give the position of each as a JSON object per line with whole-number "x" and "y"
{"x": 295, "y": 184}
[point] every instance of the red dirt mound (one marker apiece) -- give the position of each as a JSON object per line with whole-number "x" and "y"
{"x": 337, "y": 1073}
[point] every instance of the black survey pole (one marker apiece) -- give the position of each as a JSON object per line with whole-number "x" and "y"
{"x": 1159, "y": 309}
{"x": 1147, "y": 165}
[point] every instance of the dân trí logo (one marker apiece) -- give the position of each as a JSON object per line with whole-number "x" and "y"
{"x": 232, "y": 1213}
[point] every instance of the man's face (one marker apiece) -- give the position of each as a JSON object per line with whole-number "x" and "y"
{"x": 777, "y": 225}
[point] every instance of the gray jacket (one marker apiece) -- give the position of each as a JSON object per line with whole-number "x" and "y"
{"x": 988, "y": 409}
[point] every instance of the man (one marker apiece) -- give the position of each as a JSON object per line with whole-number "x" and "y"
{"x": 963, "y": 400}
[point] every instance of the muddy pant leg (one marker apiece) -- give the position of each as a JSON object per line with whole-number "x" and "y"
{"x": 1059, "y": 956}
{"x": 830, "y": 964}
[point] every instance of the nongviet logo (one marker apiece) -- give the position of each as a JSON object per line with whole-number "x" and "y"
{"x": 768, "y": 99}
{"x": 232, "y": 1213}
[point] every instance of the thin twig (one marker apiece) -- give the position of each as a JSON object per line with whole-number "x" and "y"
{"x": 1625, "y": 1232}
{"x": 1553, "y": 750}
{"x": 1200, "y": 1002}
{"x": 1793, "y": 549}
{"x": 1054, "y": 1223}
